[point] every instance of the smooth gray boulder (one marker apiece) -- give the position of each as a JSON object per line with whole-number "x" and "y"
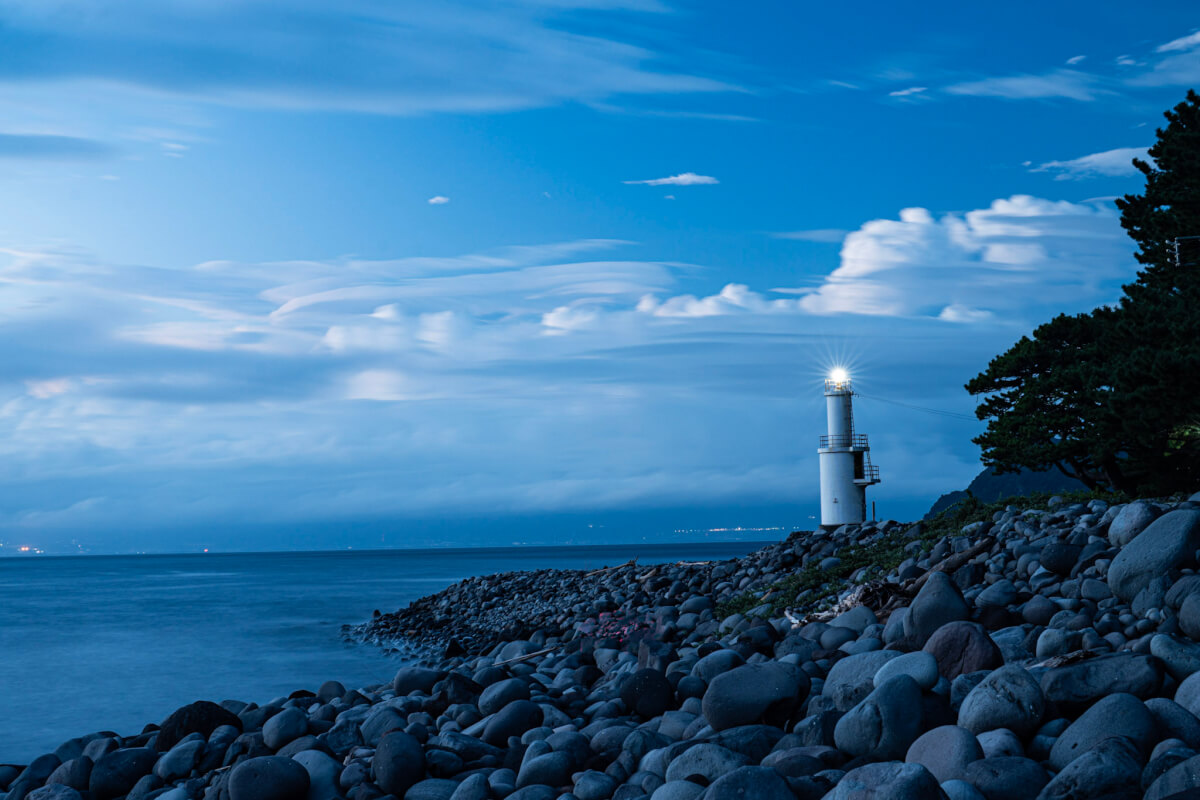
{"x": 323, "y": 773}
{"x": 1118, "y": 714}
{"x": 888, "y": 780}
{"x": 289, "y": 724}
{"x": 1164, "y": 545}
{"x": 1131, "y": 520}
{"x": 938, "y": 602}
{"x": 1077, "y": 686}
{"x": 945, "y": 751}
{"x": 705, "y": 761}
{"x": 918, "y": 665}
{"x": 760, "y": 783}
{"x": 399, "y": 763}
{"x": 501, "y": 693}
{"x": 116, "y": 773}
{"x": 852, "y": 678}
{"x": 1181, "y": 778}
{"x": 1007, "y": 698}
{"x": 765, "y": 692}
{"x": 1006, "y": 778}
{"x": 268, "y": 778}
{"x": 1111, "y": 768}
{"x": 884, "y": 724}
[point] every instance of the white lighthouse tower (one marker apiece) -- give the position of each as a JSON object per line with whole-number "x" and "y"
{"x": 845, "y": 458}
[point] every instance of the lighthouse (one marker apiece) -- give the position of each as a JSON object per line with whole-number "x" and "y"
{"x": 845, "y": 458}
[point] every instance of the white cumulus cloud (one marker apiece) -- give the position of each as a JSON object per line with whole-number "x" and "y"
{"x": 438, "y": 200}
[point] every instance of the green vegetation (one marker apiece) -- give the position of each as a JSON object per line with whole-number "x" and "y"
{"x": 1112, "y": 397}
{"x": 812, "y": 589}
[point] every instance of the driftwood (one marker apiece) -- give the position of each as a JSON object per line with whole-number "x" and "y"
{"x": 630, "y": 563}
{"x": 1074, "y": 657}
{"x": 950, "y": 563}
{"x": 525, "y": 657}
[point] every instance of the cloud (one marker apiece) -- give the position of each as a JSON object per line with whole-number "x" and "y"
{"x": 965, "y": 266}
{"x": 47, "y": 146}
{"x": 540, "y": 378}
{"x": 1109, "y": 163}
{"x": 683, "y": 179}
{"x": 1073, "y": 60}
{"x": 1188, "y": 42}
{"x": 912, "y": 90}
{"x": 1062, "y": 83}
{"x": 359, "y": 55}
{"x": 438, "y": 200}
{"x": 815, "y": 235}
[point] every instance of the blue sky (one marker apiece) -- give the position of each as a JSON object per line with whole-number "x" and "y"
{"x": 327, "y": 274}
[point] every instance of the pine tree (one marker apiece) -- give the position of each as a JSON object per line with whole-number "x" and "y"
{"x": 1113, "y": 397}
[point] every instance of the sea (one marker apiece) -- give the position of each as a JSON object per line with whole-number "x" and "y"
{"x": 91, "y": 643}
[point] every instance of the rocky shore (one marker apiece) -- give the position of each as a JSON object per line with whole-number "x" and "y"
{"x": 1048, "y": 653}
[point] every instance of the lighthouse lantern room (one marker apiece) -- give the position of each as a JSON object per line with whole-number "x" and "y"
{"x": 845, "y": 458}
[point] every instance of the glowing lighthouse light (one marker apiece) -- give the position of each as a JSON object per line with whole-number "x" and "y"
{"x": 845, "y": 457}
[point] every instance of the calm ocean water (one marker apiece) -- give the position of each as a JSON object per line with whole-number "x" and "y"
{"x": 114, "y": 642}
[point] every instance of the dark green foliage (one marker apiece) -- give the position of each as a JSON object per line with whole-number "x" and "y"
{"x": 810, "y": 588}
{"x": 1112, "y": 397}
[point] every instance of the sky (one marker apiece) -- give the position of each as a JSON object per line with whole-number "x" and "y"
{"x": 372, "y": 273}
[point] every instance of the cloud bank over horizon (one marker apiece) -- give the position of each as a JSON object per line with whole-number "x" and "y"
{"x": 532, "y": 379}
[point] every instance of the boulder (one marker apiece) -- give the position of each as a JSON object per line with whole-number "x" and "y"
{"x": 398, "y": 764}
{"x": 268, "y": 778}
{"x": 945, "y": 751}
{"x": 938, "y": 603}
{"x": 760, "y": 783}
{"x": 889, "y": 780}
{"x": 415, "y": 679}
{"x": 1131, "y": 520}
{"x": 501, "y": 693}
{"x": 647, "y": 693}
{"x": 289, "y": 724}
{"x": 962, "y": 647}
{"x": 884, "y": 724}
{"x": 202, "y": 717}
{"x": 1117, "y": 714}
{"x": 1008, "y": 697}
{"x": 763, "y": 692}
{"x": 919, "y": 665}
{"x": 1006, "y": 778}
{"x": 853, "y": 677}
{"x": 703, "y": 764}
{"x": 1165, "y": 544}
{"x": 116, "y": 773}
{"x": 1110, "y": 768}
{"x": 1076, "y": 686}
{"x": 1177, "y": 780}
{"x": 512, "y": 720}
